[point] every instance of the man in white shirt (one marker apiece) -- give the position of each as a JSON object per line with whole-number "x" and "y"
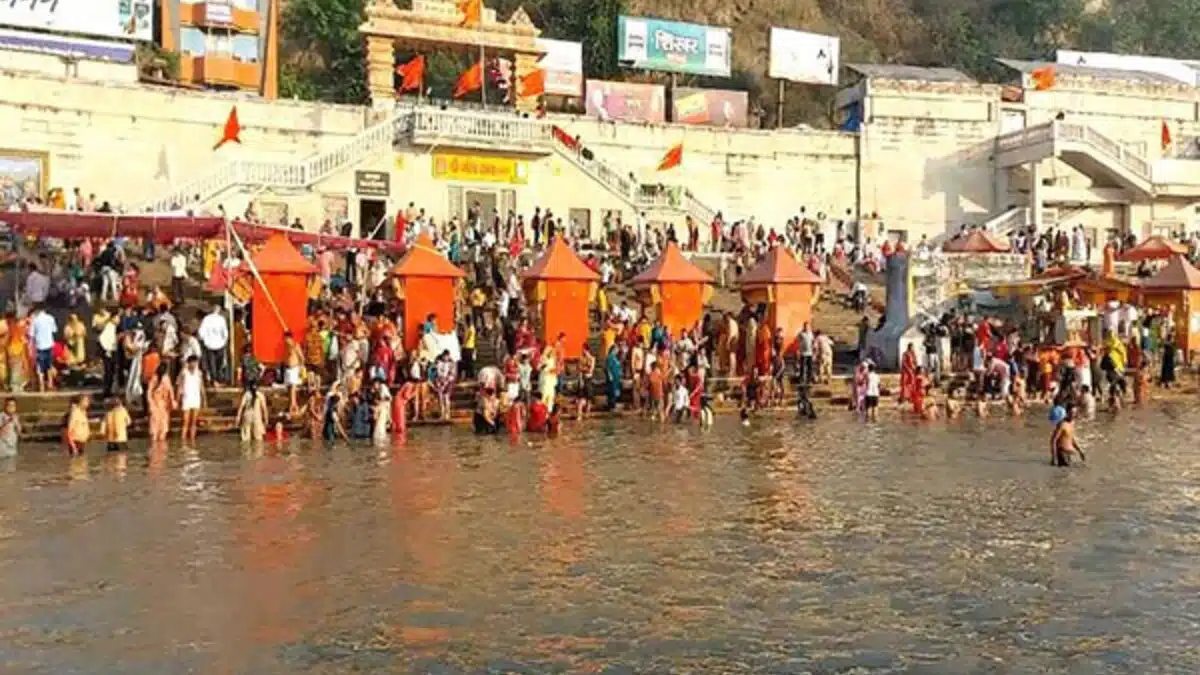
{"x": 41, "y": 333}
{"x": 214, "y": 338}
{"x": 806, "y": 339}
{"x": 179, "y": 274}
{"x": 37, "y": 286}
{"x": 1129, "y": 318}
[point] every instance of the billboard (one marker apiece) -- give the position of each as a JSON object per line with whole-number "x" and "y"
{"x": 655, "y": 44}
{"x": 811, "y": 58}
{"x": 1172, "y": 68}
{"x": 711, "y": 107}
{"x": 626, "y": 101}
{"x": 127, "y": 19}
{"x": 563, "y": 64}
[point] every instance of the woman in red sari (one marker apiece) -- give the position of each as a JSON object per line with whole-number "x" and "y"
{"x": 918, "y": 391}
{"x": 908, "y": 374}
{"x": 130, "y": 286}
{"x": 695, "y": 385}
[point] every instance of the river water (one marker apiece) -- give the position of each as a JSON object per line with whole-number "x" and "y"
{"x": 622, "y": 547}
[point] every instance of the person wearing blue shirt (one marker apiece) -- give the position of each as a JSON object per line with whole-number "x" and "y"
{"x": 41, "y": 333}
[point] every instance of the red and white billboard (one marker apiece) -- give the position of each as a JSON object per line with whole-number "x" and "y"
{"x": 710, "y": 107}
{"x": 563, "y": 64}
{"x": 626, "y": 101}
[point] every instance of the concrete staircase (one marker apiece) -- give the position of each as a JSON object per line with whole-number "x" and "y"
{"x": 622, "y": 185}
{"x": 429, "y": 126}
{"x": 1081, "y": 146}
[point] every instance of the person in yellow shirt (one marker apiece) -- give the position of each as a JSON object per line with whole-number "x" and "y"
{"x": 477, "y": 299}
{"x": 644, "y": 330}
{"x": 602, "y": 303}
{"x": 467, "y": 363}
{"x": 116, "y": 426}
{"x": 609, "y": 337}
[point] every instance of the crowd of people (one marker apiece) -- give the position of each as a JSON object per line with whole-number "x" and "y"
{"x": 156, "y": 352}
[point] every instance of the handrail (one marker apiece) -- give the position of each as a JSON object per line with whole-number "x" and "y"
{"x": 286, "y": 174}
{"x": 1087, "y": 135}
{"x": 1012, "y": 219}
{"x": 1081, "y": 133}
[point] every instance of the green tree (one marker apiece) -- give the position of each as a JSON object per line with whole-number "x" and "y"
{"x": 324, "y": 55}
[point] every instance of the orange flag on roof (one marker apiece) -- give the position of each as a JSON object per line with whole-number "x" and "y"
{"x": 469, "y": 81}
{"x": 1166, "y": 135}
{"x": 411, "y": 74}
{"x": 673, "y": 158}
{"x": 472, "y": 11}
{"x": 233, "y": 130}
{"x": 1043, "y": 78}
{"x": 532, "y": 83}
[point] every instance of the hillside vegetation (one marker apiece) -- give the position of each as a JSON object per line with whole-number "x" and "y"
{"x": 323, "y": 56}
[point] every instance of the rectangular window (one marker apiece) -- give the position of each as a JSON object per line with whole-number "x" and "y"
{"x": 192, "y": 41}
{"x": 245, "y": 48}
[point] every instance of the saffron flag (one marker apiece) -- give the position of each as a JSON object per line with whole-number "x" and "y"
{"x": 673, "y": 158}
{"x": 1043, "y": 78}
{"x": 532, "y": 83}
{"x": 411, "y": 74}
{"x": 472, "y": 11}
{"x": 233, "y": 130}
{"x": 1166, "y": 135}
{"x": 469, "y": 81}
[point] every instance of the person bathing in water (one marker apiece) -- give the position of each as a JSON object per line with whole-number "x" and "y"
{"x": 1063, "y": 443}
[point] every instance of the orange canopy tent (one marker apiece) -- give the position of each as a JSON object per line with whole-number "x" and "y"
{"x": 1177, "y": 288}
{"x": 1156, "y": 247}
{"x": 561, "y": 287}
{"x": 677, "y": 289}
{"x": 788, "y": 288}
{"x": 426, "y": 281}
{"x": 977, "y": 241}
{"x": 280, "y": 302}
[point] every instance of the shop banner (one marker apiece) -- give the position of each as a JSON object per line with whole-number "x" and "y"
{"x": 479, "y": 168}
{"x": 712, "y": 107}
{"x": 126, "y": 19}
{"x": 655, "y": 44}
{"x": 626, "y": 101}
{"x": 563, "y": 64}
{"x": 804, "y": 57}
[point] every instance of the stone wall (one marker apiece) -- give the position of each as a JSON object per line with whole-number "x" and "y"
{"x": 129, "y": 142}
{"x": 742, "y": 172}
{"x": 926, "y": 154}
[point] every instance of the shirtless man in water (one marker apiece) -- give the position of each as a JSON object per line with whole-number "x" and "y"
{"x": 1063, "y": 443}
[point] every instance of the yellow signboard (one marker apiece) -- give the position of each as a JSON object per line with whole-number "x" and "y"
{"x": 480, "y": 168}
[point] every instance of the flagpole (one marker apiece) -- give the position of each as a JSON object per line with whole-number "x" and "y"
{"x": 482, "y": 64}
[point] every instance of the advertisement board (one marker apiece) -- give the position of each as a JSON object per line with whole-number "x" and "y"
{"x": 126, "y": 19}
{"x": 672, "y": 46}
{"x": 811, "y": 58}
{"x": 626, "y": 101}
{"x": 563, "y": 64}
{"x": 711, "y": 107}
{"x": 455, "y": 166}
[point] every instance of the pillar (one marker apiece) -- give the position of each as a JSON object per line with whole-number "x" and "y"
{"x": 1035, "y": 195}
{"x": 381, "y": 65}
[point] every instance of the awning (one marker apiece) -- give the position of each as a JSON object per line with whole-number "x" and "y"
{"x": 68, "y": 225}
{"x": 166, "y": 228}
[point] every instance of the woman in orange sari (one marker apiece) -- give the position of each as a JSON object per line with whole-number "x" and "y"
{"x": 17, "y": 354}
{"x": 160, "y": 397}
{"x": 762, "y": 349}
{"x": 908, "y": 374}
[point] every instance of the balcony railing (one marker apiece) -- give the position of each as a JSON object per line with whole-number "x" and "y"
{"x": 479, "y": 129}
